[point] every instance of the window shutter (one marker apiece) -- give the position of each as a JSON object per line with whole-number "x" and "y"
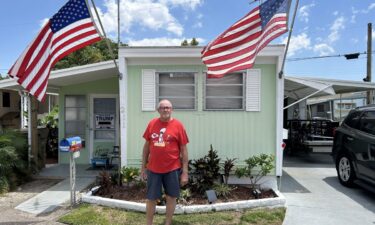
{"x": 148, "y": 90}
{"x": 253, "y": 83}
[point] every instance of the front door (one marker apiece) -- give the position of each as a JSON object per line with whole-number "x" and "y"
{"x": 104, "y": 125}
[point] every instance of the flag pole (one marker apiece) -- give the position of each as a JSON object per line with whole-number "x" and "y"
{"x": 281, "y": 73}
{"x": 104, "y": 34}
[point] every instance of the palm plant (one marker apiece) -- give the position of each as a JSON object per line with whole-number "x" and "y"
{"x": 13, "y": 158}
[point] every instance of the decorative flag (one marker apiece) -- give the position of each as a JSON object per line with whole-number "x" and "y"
{"x": 70, "y": 29}
{"x": 237, "y": 47}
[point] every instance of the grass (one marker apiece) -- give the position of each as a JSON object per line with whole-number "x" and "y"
{"x": 98, "y": 215}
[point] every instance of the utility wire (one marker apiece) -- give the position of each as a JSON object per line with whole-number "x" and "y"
{"x": 321, "y": 57}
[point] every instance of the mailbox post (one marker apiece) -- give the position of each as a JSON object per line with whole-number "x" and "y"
{"x": 73, "y": 145}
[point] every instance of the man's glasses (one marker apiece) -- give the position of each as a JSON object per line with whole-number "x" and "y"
{"x": 165, "y": 107}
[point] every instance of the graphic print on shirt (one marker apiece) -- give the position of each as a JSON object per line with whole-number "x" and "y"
{"x": 160, "y": 142}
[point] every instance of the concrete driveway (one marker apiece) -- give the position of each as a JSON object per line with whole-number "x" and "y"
{"x": 315, "y": 196}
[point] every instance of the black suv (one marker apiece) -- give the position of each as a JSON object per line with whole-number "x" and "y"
{"x": 354, "y": 148}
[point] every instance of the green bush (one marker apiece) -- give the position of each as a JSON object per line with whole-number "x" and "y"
{"x": 129, "y": 174}
{"x": 13, "y": 160}
{"x": 227, "y": 168}
{"x": 257, "y": 167}
{"x": 205, "y": 171}
{"x": 223, "y": 190}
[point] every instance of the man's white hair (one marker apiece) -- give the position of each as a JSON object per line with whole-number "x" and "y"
{"x": 164, "y": 100}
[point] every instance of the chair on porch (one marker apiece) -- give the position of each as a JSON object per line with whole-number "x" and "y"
{"x": 115, "y": 154}
{"x": 101, "y": 156}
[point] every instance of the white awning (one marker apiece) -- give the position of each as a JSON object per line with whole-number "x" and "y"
{"x": 301, "y": 88}
{"x": 71, "y": 76}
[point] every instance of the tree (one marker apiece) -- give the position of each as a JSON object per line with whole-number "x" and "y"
{"x": 194, "y": 42}
{"x": 96, "y": 52}
{"x": 185, "y": 43}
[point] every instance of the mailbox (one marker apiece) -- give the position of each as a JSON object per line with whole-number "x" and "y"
{"x": 71, "y": 144}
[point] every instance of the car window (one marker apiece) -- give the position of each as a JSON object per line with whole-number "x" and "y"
{"x": 367, "y": 122}
{"x": 352, "y": 119}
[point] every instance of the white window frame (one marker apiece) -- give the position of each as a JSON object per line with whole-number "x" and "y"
{"x": 157, "y": 85}
{"x": 218, "y": 97}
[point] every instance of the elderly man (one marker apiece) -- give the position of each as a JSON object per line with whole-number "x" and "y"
{"x": 164, "y": 160}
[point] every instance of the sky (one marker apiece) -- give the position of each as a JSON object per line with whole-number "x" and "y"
{"x": 321, "y": 28}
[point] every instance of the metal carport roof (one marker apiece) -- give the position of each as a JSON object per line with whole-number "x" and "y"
{"x": 301, "y": 88}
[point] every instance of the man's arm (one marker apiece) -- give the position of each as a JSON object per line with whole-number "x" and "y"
{"x": 145, "y": 153}
{"x": 185, "y": 167}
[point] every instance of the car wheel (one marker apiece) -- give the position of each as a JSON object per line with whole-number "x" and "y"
{"x": 345, "y": 170}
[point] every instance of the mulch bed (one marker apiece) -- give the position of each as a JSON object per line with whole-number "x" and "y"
{"x": 138, "y": 194}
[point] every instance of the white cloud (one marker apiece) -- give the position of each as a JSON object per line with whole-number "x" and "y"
{"x": 43, "y": 22}
{"x": 323, "y": 49}
{"x": 163, "y": 41}
{"x": 298, "y": 43}
{"x": 369, "y": 8}
{"x": 335, "y": 13}
{"x": 198, "y": 25}
{"x": 187, "y": 4}
{"x": 337, "y": 26}
{"x": 354, "y": 15}
{"x": 354, "y": 40}
{"x": 142, "y": 13}
{"x": 304, "y": 12}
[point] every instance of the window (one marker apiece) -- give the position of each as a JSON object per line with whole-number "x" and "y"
{"x": 75, "y": 115}
{"x": 352, "y": 119}
{"x": 320, "y": 108}
{"x": 178, "y": 87}
{"x": 226, "y": 93}
{"x": 367, "y": 122}
{"x": 6, "y": 99}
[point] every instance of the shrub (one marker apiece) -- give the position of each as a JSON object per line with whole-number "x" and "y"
{"x": 206, "y": 171}
{"x": 13, "y": 160}
{"x": 257, "y": 167}
{"x": 227, "y": 167}
{"x": 105, "y": 183}
{"x": 185, "y": 194}
{"x": 129, "y": 174}
{"x": 4, "y": 185}
{"x": 223, "y": 190}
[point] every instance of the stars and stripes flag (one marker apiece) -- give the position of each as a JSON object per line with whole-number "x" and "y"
{"x": 236, "y": 48}
{"x": 70, "y": 29}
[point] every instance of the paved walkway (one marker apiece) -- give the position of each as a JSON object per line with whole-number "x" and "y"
{"x": 315, "y": 197}
{"x": 58, "y": 194}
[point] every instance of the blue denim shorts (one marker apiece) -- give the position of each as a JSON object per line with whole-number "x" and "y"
{"x": 170, "y": 182}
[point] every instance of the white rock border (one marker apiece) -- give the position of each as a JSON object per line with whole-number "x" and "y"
{"x": 276, "y": 202}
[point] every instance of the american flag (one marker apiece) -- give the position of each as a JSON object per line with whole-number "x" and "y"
{"x": 70, "y": 29}
{"x": 237, "y": 47}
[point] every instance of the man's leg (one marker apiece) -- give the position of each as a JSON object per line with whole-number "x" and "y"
{"x": 154, "y": 185}
{"x": 171, "y": 182}
{"x": 150, "y": 211}
{"x": 170, "y": 207}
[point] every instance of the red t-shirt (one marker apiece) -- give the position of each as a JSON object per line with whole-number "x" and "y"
{"x": 164, "y": 140}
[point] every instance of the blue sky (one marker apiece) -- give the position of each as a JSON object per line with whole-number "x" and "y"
{"x": 330, "y": 27}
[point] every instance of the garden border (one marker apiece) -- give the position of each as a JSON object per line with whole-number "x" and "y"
{"x": 276, "y": 202}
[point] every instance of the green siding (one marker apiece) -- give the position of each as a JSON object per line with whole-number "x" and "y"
{"x": 105, "y": 86}
{"x": 234, "y": 134}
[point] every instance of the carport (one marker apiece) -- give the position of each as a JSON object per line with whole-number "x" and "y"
{"x": 302, "y": 88}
